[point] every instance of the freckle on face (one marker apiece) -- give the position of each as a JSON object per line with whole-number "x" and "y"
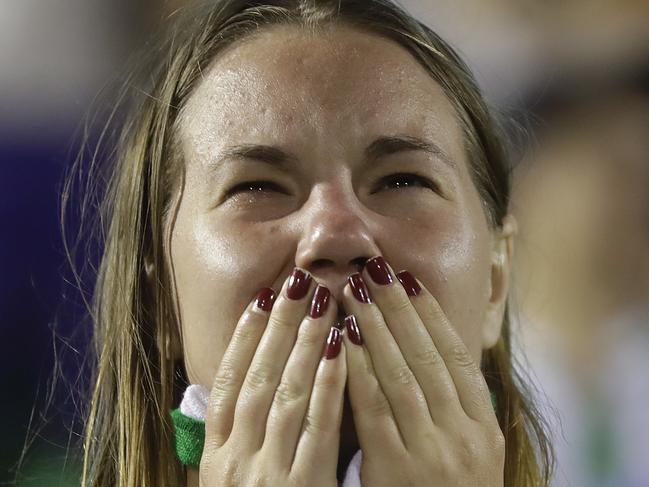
{"x": 325, "y": 108}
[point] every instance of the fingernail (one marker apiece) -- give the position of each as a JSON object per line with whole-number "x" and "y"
{"x": 319, "y": 302}
{"x": 409, "y": 283}
{"x": 378, "y": 271}
{"x": 265, "y": 299}
{"x": 298, "y": 284}
{"x": 359, "y": 289}
{"x": 333, "y": 343}
{"x": 352, "y": 330}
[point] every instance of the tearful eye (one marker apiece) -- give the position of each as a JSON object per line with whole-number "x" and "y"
{"x": 255, "y": 187}
{"x": 406, "y": 180}
{"x": 393, "y": 181}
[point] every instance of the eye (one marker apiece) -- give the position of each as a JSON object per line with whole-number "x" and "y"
{"x": 255, "y": 187}
{"x": 406, "y": 180}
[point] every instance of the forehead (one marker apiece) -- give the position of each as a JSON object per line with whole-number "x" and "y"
{"x": 284, "y": 82}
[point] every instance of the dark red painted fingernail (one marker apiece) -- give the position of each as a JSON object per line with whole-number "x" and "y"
{"x": 333, "y": 343}
{"x": 352, "y": 330}
{"x": 298, "y": 284}
{"x": 379, "y": 271}
{"x": 319, "y": 302}
{"x": 409, "y": 283}
{"x": 265, "y": 299}
{"x": 359, "y": 289}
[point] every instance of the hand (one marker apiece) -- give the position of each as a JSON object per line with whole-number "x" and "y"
{"x": 421, "y": 407}
{"x": 276, "y": 406}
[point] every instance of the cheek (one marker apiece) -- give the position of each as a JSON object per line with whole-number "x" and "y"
{"x": 450, "y": 256}
{"x": 217, "y": 274}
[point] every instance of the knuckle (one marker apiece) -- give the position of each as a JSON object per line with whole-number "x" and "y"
{"x": 299, "y": 476}
{"x": 379, "y": 406}
{"x": 476, "y": 401}
{"x": 223, "y": 465}
{"x": 446, "y": 459}
{"x": 308, "y": 337}
{"x": 313, "y": 426}
{"x": 288, "y": 393}
{"x": 460, "y": 355}
{"x": 401, "y": 375}
{"x": 226, "y": 378}
{"x": 246, "y": 333}
{"x": 281, "y": 322}
{"x": 446, "y": 393}
{"x": 259, "y": 377}
{"x": 497, "y": 440}
{"x": 470, "y": 450}
{"x": 474, "y": 448}
{"x": 398, "y": 305}
{"x": 429, "y": 357}
{"x": 430, "y": 436}
{"x": 328, "y": 381}
{"x": 433, "y": 313}
{"x": 259, "y": 480}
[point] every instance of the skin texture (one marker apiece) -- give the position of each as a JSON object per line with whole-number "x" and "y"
{"x": 324, "y": 99}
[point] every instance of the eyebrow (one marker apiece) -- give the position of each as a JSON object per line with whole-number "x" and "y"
{"x": 382, "y": 146}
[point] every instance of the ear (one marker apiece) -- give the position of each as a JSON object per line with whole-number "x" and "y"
{"x": 501, "y": 263}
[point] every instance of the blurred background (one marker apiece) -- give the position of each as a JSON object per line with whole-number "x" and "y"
{"x": 571, "y": 76}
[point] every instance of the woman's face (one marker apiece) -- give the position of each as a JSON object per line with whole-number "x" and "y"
{"x": 324, "y": 101}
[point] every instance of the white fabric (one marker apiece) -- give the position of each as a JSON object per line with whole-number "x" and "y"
{"x": 194, "y": 405}
{"x": 195, "y": 402}
{"x": 353, "y": 474}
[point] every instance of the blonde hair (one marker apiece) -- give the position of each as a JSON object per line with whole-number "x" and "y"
{"x": 136, "y": 380}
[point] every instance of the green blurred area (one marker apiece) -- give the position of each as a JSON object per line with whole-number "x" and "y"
{"x": 45, "y": 465}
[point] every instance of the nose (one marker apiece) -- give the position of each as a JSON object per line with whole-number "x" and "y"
{"x": 338, "y": 236}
